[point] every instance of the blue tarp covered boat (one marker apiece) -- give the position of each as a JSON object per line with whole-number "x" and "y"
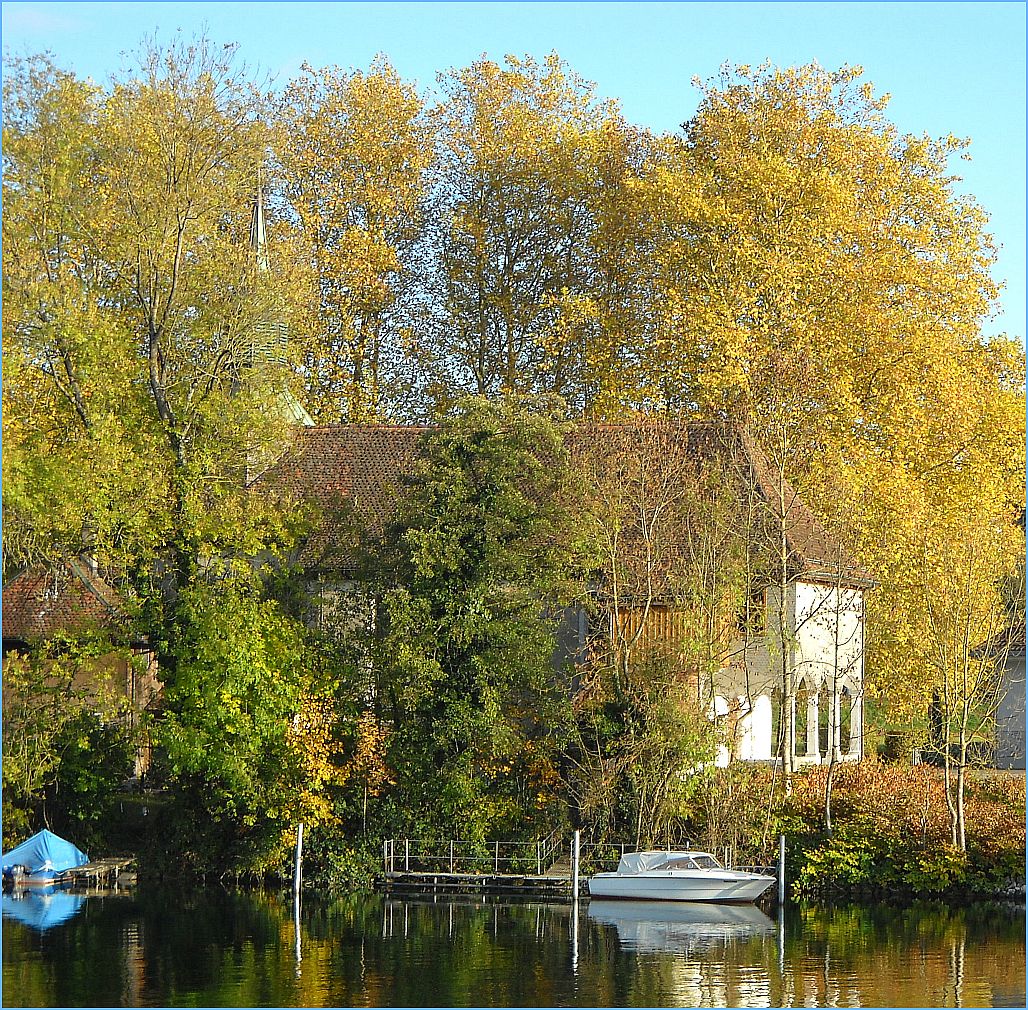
{"x": 40, "y": 859}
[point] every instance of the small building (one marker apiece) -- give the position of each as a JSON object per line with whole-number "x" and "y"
{"x": 68, "y": 600}
{"x": 1007, "y": 650}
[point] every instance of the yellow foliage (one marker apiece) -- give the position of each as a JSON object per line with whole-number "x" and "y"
{"x": 353, "y": 149}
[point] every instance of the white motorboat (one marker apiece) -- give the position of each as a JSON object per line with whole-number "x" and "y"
{"x": 678, "y": 876}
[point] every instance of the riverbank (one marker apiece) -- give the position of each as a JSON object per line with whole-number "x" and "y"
{"x": 889, "y": 835}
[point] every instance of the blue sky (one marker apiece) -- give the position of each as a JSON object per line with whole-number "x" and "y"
{"x": 950, "y": 67}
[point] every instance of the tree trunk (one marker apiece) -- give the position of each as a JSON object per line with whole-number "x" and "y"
{"x": 961, "y": 834}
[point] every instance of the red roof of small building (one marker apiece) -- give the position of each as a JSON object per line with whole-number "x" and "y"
{"x": 67, "y": 598}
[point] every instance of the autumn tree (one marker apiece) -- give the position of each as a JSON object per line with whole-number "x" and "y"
{"x": 962, "y": 597}
{"x": 71, "y": 411}
{"x": 596, "y": 328}
{"x": 134, "y": 301}
{"x": 821, "y": 277}
{"x": 510, "y": 189}
{"x": 353, "y": 150}
{"x": 140, "y": 391}
{"x": 668, "y": 578}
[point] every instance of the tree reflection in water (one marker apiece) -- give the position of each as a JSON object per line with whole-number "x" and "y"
{"x": 225, "y": 948}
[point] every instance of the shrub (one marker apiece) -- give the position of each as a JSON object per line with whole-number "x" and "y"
{"x": 891, "y": 832}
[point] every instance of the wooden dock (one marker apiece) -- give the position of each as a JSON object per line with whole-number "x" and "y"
{"x": 116, "y": 870}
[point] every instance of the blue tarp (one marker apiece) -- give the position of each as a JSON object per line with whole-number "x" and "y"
{"x": 42, "y": 908}
{"x": 43, "y": 854}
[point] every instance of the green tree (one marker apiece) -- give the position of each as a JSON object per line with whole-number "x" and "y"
{"x": 135, "y": 311}
{"x": 66, "y": 744}
{"x": 473, "y": 576}
{"x": 247, "y": 734}
{"x": 143, "y": 394}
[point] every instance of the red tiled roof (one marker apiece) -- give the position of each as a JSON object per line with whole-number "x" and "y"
{"x": 813, "y": 553}
{"x": 346, "y": 470}
{"x": 810, "y": 544}
{"x": 363, "y": 468}
{"x": 68, "y": 598}
{"x": 1008, "y": 643}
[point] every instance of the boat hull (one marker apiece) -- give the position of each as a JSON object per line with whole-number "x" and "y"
{"x": 26, "y": 880}
{"x": 722, "y": 888}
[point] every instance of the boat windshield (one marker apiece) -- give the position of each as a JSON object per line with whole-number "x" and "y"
{"x": 700, "y": 861}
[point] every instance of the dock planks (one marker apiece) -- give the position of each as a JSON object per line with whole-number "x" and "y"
{"x": 462, "y": 883}
{"x": 100, "y": 871}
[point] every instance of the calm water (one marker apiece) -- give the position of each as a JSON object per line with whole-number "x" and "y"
{"x": 224, "y": 948}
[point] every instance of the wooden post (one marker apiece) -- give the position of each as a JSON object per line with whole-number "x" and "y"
{"x": 298, "y": 866}
{"x": 538, "y": 859}
{"x": 496, "y": 861}
{"x": 451, "y": 855}
{"x": 406, "y": 856}
{"x": 781, "y": 869}
{"x": 575, "y": 850}
{"x": 385, "y": 856}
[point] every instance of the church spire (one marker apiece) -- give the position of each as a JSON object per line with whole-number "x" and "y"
{"x": 268, "y": 335}
{"x": 258, "y": 238}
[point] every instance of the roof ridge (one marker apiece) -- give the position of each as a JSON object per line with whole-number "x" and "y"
{"x": 84, "y": 573}
{"x": 369, "y": 426}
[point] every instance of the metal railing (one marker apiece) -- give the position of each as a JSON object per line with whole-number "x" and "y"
{"x": 456, "y": 855}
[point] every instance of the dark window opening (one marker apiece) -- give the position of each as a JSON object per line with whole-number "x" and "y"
{"x": 845, "y": 720}
{"x": 777, "y": 735}
{"x": 824, "y": 720}
{"x": 752, "y": 616}
{"x": 802, "y": 709}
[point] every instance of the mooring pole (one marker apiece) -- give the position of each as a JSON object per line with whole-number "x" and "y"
{"x": 574, "y": 938}
{"x": 406, "y": 857}
{"x": 781, "y": 869}
{"x": 298, "y": 866}
{"x": 575, "y": 849}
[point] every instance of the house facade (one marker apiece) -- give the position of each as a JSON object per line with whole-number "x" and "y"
{"x": 819, "y": 659}
{"x": 1007, "y": 650}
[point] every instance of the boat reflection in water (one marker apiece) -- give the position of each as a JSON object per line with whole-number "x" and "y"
{"x": 41, "y": 908}
{"x": 675, "y": 927}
